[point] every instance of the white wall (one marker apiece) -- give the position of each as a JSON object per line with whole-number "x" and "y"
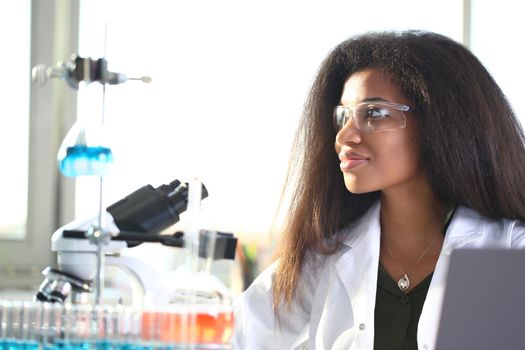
{"x": 498, "y": 41}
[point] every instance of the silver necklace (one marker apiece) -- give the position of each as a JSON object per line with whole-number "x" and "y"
{"x": 404, "y": 281}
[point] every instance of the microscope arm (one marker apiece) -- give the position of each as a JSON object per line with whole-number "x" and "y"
{"x": 143, "y": 276}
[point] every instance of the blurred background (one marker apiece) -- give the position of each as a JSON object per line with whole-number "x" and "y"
{"x": 229, "y": 79}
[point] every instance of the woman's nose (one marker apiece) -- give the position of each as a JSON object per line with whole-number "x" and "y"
{"x": 349, "y": 133}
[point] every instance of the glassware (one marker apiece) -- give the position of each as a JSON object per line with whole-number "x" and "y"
{"x": 189, "y": 308}
{"x": 19, "y": 325}
{"x": 208, "y": 324}
{"x": 84, "y": 151}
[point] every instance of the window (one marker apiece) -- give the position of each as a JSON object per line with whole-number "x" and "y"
{"x": 43, "y": 31}
{"x": 15, "y": 29}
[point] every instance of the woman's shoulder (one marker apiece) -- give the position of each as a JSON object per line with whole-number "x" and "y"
{"x": 505, "y": 232}
{"x": 312, "y": 266}
{"x": 515, "y": 232}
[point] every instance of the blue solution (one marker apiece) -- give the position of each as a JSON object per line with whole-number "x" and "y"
{"x": 61, "y": 344}
{"x": 13, "y": 344}
{"x": 103, "y": 344}
{"x": 85, "y": 160}
{"x": 31, "y": 345}
{"x": 116, "y": 345}
{"x": 119, "y": 345}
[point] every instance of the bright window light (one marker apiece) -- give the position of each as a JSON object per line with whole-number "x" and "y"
{"x": 15, "y": 30}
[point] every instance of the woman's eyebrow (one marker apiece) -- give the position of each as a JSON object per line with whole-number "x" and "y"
{"x": 374, "y": 99}
{"x": 367, "y": 99}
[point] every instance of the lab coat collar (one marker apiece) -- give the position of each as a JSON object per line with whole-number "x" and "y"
{"x": 465, "y": 229}
{"x": 365, "y": 228}
{"x": 357, "y": 265}
{"x": 466, "y": 225}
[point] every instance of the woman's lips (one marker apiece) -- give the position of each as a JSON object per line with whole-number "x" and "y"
{"x": 350, "y": 160}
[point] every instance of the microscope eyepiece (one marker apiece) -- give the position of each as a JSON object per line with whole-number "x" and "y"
{"x": 150, "y": 210}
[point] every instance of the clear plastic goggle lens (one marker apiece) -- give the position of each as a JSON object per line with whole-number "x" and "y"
{"x": 371, "y": 117}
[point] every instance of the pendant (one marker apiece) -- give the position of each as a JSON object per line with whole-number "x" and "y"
{"x": 403, "y": 283}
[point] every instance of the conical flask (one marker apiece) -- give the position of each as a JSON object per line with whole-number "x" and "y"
{"x": 85, "y": 151}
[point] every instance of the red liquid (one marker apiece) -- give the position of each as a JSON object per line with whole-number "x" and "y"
{"x": 187, "y": 328}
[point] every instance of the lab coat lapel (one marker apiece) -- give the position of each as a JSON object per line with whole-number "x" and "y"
{"x": 357, "y": 270}
{"x": 466, "y": 228}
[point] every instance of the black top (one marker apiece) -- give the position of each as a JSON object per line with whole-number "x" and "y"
{"x": 396, "y": 312}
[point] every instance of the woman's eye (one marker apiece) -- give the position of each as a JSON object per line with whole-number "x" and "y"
{"x": 376, "y": 113}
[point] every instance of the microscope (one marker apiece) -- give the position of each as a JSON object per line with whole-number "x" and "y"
{"x": 138, "y": 218}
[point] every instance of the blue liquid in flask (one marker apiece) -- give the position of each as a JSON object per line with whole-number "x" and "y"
{"x": 14, "y": 344}
{"x": 86, "y": 160}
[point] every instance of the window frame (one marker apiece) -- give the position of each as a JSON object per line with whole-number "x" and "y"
{"x": 52, "y": 110}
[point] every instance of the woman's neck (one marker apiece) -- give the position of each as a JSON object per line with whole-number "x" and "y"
{"x": 410, "y": 216}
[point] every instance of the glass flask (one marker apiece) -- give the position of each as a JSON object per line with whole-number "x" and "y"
{"x": 85, "y": 151}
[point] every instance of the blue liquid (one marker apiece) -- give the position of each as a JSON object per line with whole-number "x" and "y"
{"x": 119, "y": 345}
{"x": 12, "y": 344}
{"x": 61, "y": 344}
{"x": 84, "y": 160}
{"x": 96, "y": 345}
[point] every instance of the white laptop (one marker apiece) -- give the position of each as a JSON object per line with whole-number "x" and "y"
{"x": 484, "y": 301}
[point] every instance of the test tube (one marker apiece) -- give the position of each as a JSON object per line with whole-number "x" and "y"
{"x": 31, "y": 323}
{"x": 14, "y": 326}
{"x": 130, "y": 329}
{"x": 46, "y": 327}
{"x": 3, "y": 324}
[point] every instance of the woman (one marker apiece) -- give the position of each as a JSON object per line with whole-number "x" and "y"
{"x": 428, "y": 157}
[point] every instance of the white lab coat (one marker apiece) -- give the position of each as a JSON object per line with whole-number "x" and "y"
{"x": 335, "y": 309}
